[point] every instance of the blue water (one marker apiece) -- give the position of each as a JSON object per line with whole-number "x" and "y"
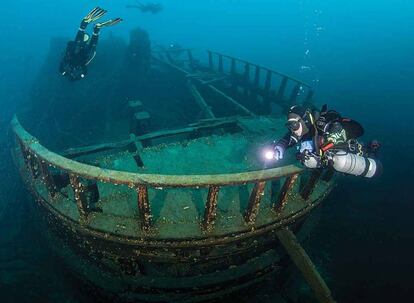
{"x": 358, "y": 55}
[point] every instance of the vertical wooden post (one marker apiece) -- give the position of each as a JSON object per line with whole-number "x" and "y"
{"x": 294, "y": 93}
{"x": 310, "y": 184}
{"x": 246, "y": 80}
{"x": 210, "y": 61}
{"x": 282, "y": 88}
{"x": 283, "y": 194}
{"x": 80, "y": 198}
{"x": 144, "y": 207}
{"x": 47, "y": 178}
{"x": 210, "y": 211}
{"x": 220, "y": 66}
{"x": 256, "y": 84}
{"x": 254, "y": 202}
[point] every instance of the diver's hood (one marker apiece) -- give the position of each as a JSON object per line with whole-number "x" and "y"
{"x": 294, "y": 116}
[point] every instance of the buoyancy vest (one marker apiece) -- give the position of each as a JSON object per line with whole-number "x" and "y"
{"x": 326, "y": 119}
{"x": 325, "y": 124}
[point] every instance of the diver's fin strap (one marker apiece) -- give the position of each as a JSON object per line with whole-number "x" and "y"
{"x": 108, "y": 23}
{"x": 94, "y": 15}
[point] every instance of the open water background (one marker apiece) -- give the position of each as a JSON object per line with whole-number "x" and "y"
{"x": 359, "y": 56}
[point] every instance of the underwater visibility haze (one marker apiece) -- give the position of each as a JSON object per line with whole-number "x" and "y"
{"x": 112, "y": 105}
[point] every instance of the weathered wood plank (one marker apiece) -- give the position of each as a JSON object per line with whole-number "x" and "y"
{"x": 200, "y": 100}
{"x": 156, "y": 180}
{"x": 47, "y": 178}
{"x": 254, "y": 202}
{"x": 80, "y": 198}
{"x": 283, "y": 194}
{"x": 144, "y": 207}
{"x": 303, "y": 262}
{"x": 210, "y": 211}
{"x": 84, "y": 150}
{"x": 232, "y": 101}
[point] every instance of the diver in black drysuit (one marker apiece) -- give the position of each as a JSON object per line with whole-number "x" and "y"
{"x": 80, "y": 53}
{"x": 153, "y": 8}
{"x": 325, "y": 139}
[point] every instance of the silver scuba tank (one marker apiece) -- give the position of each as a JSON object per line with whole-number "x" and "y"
{"x": 353, "y": 164}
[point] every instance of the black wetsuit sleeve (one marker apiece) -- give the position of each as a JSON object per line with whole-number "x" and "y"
{"x": 286, "y": 141}
{"x": 79, "y": 36}
{"x": 80, "y": 54}
{"x": 93, "y": 42}
{"x": 81, "y": 32}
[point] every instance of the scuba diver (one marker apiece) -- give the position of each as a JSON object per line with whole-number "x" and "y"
{"x": 80, "y": 53}
{"x": 325, "y": 139}
{"x": 153, "y": 8}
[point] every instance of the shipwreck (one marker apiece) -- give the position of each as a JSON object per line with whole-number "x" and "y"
{"x": 182, "y": 214}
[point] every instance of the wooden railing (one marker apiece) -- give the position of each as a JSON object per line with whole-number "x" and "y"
{"x": 39, "y": 161}
{"x": 259, "y": 80}
{"x": 259, "y": 84}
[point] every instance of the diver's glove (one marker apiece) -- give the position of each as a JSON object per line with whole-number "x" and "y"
{"x": 309, "y": 159}
{"x": 279, "y": 152}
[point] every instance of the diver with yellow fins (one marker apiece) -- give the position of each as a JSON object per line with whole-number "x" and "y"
{"x": 325, "y": 139}
{"x": 80, "y": 53}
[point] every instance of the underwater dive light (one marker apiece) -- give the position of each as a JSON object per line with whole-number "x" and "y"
{"x": 268, "y": 154}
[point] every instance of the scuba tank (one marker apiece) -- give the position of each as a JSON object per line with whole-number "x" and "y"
{"x": 353, "y": 164}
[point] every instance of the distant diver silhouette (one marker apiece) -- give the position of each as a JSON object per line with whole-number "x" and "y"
{"x": 80, "y": 53}
{"x": 151, "y": 7}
